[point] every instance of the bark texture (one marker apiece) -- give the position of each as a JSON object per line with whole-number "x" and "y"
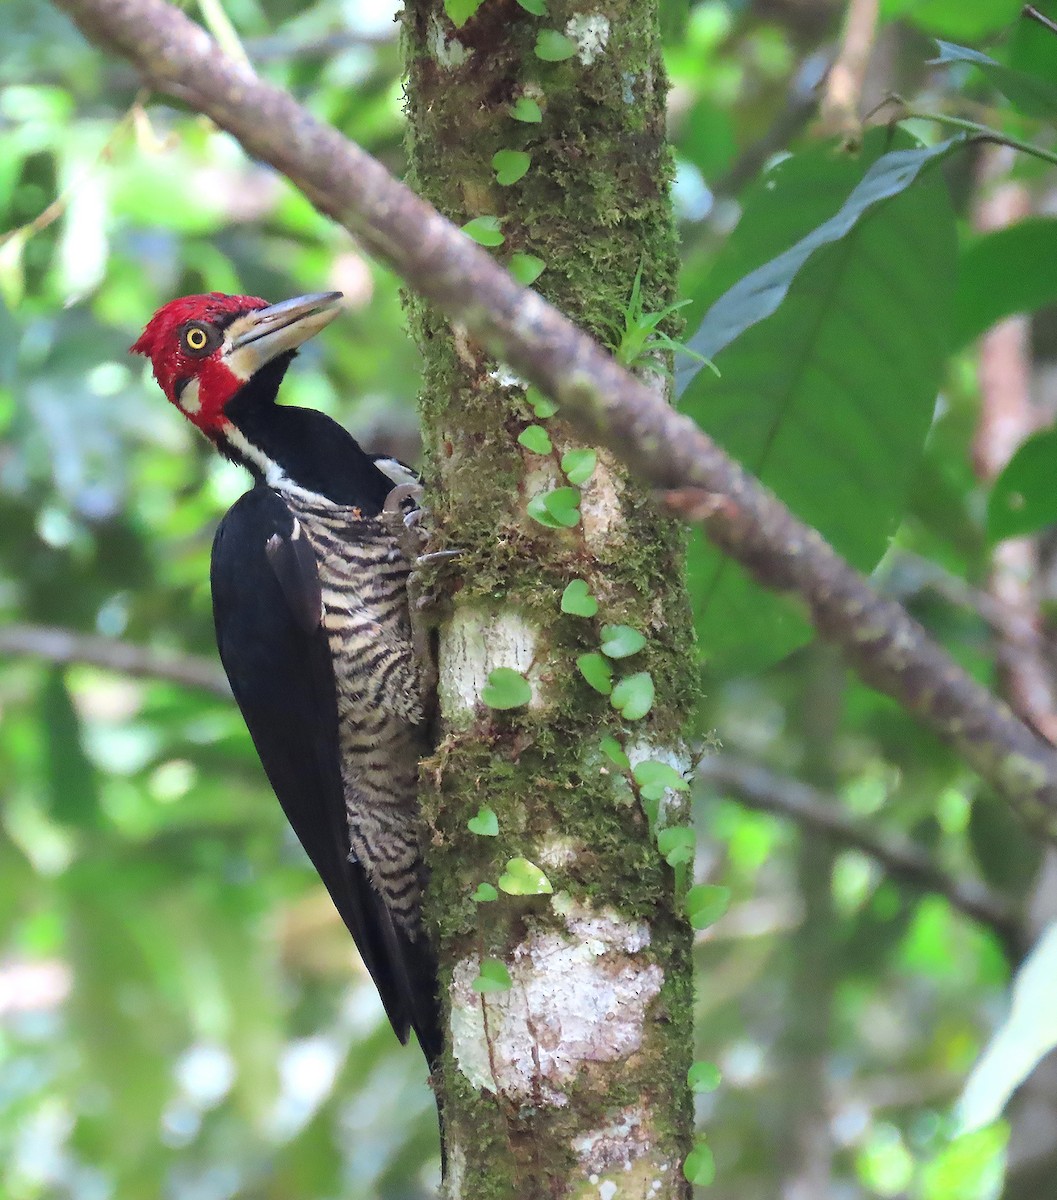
{"x": 572, "y": 1082}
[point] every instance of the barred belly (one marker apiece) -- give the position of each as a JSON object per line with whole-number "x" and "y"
{"x": 381, "y": 725}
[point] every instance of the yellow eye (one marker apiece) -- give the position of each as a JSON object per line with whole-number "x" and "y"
{"x": 196, "y": 339}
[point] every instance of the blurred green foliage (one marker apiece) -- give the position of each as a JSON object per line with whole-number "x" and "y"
{"x": 181, "y": 1014}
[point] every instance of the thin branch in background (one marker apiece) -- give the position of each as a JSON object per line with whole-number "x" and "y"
{"x": 50, "y": 214}
{"x": 794, "y": 114}
{"x": 1008, "y": 416}
{"x": 907, "y": 575}
{"x": 1033, "y": 14}
{"x": 64, "y": 646}
{"x": 605, "y": 403}
{"x": 842, "y": 98}
{"x": 759, "y": 788}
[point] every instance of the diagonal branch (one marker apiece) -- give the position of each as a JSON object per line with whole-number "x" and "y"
{"x": 605, "y": 403}
{"x": 64, "y": 646}
{"x": 759, "y": 788}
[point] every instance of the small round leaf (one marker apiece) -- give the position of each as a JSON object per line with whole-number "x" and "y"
{"x": 493, "y": 977}
{"x": 614, "y": 751}
{"x": 536, "y": 439}
{"x": 703, "y": 1077}
{"x": 485, "y": 894}
{"x": 485, "y": 824}
{"x": 524, "y": 878}
{"x": 527, "y": 110}
{"x": 579, "y": 465}
{"x": 485, "y": 231}
{"x": 621, "y": 641}
{"x": 543, "y": 406}
{"x": 676, "y": 844}
{"x": 460, "y": 11}
{"x": 578, "y": 601}
{"x": 510, "y": 165}
{"x": 563, "y": 504}
{"x": 597, "y": 672}
{"x": 506, "y": 688}
{"x": 657, "y": 777}
{"x": 526, "y": 269}
{"x": 706, "y": 903}
{"x": 700, "y": 1166}
{"x": 633, "y": 697}
{"x": 553, "y": 46}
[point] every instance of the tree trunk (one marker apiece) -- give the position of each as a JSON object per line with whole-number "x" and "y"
{"x": 571, "y": 1080}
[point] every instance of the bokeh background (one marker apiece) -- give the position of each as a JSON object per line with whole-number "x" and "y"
{"x": 181, "y": 1012}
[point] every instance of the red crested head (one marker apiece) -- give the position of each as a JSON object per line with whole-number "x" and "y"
{"x": 204, "y": 349}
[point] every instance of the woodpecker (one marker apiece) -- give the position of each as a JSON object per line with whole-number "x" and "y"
{"x": 309, "y": 579}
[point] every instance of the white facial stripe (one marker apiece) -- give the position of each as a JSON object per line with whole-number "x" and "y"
{"x": 274, "y": 475}
{"x": 397, "y": 471}
{"x": 189, "y": 399}
{"x": 244, "y": 362}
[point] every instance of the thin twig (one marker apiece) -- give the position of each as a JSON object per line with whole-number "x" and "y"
{"x": 65, "y": 646}
{"x": 759, "y": 788}
{"x": 607, "y": 404}
{"x": 1031, "y": 12}
{"x": 53, "y": 211}
{"x": 839, "y": 108}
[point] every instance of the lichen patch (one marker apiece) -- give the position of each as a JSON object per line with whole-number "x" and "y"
{"x": 448, "y": 52}
{"x": 575, "y": 999}
{"x": 590, "y": 32}
{"x": 473, "y": 645}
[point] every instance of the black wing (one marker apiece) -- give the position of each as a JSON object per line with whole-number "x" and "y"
{"x": 267, "y": 609}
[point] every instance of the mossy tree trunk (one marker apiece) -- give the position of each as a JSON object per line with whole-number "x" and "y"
{"x": 571, "y": 1080}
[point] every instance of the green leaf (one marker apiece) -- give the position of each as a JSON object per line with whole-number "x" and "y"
{"x": 633, "y": 697}
{"x": 837, "y": 429}
{"x": 543, "y": 406}
{"x": 597, "y": 672}
{"x": 676, "y": 844}
{"x": 485, "y": 824}
{"x": 460, "y": 11}
{"x": 485, "y": 231}
{"x": 485, "y": 894}
{"x": 579, "y": 465}
{"x": 614, "y": 751}
{"x": 506, "y": 688}
{"x": 524, "y": 878}
{"x": 72, "y": 791}
{"x": 1033, "y": 96}
{"x": 552, "y": 46}
{"x": 558, "y": 508}
{"x": 493, "y": 976}
{"x": 700, "y": 1167}
{"x": 706, "y": 903}
{"x": 654, "y": 778}
{"x": 1027, "y": 1036}
{"x": 536, "y": 439}
{"x": 957, "y": 19}
{"x": 1002, "y": 273}
{"x": 538, "y": 8}
{"x": 577, "y": 600}
{"x": 510, "y": 166}
{"x": 1024, "y": 497}
{"x": 703, "y": 1077}
{"x": 621, "y": 641}
{"x": 526, "y": 268}
{"x": 526, "y": 109}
